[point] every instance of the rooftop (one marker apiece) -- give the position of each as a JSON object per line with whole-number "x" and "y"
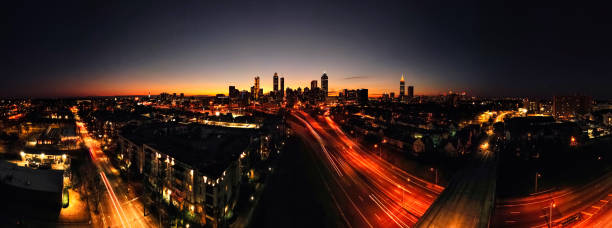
{"x": 33, "y": 179}
{"x": 209, "y": 149}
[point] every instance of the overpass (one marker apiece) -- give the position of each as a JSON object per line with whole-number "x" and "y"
{"x": 469, "y": 199}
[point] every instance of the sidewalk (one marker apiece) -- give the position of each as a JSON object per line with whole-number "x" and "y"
{"x": 76, "y": 213}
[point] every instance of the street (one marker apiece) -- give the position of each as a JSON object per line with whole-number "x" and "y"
{"x": 533, "y": 211}
{"x": 118, "y": 207}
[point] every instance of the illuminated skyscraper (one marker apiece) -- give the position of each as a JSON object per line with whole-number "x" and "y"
{"x": 256, "y": 89}
{"x": 275, "y": 83}
{"x": 402, "y": 88}
{"x": 324, "y": 86}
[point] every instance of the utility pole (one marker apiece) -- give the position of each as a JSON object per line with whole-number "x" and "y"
{"x": 552, "y": 204}
{"x": 537, "y": 175}
{"x": 436, "y": 176}
{"x": 436, "y": 173}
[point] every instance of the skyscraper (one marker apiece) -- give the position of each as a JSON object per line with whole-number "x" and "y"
{"x": 313, "y": 84}
{"x": 410, "y": 91}
{"x": 362, "y": 96}
{"x": 256, "y": 92}
{"x": 402, "y": 88}
{"x": 282, "y": 88}
{"x": 324, "y": 86}
{"x": 275, "y": 83}
{"x": 233, "y": 92}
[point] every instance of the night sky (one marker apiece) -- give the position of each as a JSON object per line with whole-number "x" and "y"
{"x": 201, "y": 47}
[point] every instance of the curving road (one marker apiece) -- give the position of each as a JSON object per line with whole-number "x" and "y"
{"x": 590, "y": 202}
{"x": 367, "y": 191}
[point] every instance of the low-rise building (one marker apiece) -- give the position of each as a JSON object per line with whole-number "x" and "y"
{"x": 22, "y": 187}
{"x": 567, "y": 107}
{"x": 607, "y": 119}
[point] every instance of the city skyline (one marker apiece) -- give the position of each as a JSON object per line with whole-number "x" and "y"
{"x": 320, "y": 113}
{"x": 89, "y": 49}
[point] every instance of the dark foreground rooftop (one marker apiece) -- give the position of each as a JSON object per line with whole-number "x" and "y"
{"x": 209, "y": 149}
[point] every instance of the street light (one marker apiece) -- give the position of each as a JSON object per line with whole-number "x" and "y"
{"x": 552, "y": 205}
{"x": 434, "y": 170}
{"x": 537, "y": 175}
{"x": 379, "y": 149}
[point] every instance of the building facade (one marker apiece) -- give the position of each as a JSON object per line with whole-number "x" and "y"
{"x": 182, "y": 173}
{"x": 275, "y": 82}
{"x": 402, "y": 90}
{"x": 410, "y": 91}
{"x": 282, "y": 87}
{"x": 324, "y": 85}
{"x": 256, "y": 88}
{"x": 570, "y": 106}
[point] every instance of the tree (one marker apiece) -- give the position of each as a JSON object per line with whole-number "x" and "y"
{"x": 91, "y": 185}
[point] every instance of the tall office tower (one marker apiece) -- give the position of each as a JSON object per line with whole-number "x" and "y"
{"x": 275, "y": 82}
{"x": 282, "y": 88}
{"x": 256, "y": 87}
{"x": 402, "y": 88}
{"x": 324, "y": 86}
{"x": 362, "y": 96}
{"x": 410, "y": 91}
{"x": 313, "y": 84}
{"x": 233, "y": 92}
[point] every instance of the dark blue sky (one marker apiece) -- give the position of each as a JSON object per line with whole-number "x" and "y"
{"x": 201, "y": 47}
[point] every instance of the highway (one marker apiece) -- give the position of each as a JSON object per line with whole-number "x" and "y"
{"x": 367, "y": 191}
{"x": 590, "y": 202}
{"x": 117, "y": 208}
{"x": 468, "y": 200}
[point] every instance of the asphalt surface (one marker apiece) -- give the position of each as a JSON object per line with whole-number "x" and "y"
{"x": 296, "y": 195}
{"x": 366, "y": 190}
{"x": 534, "y": 211}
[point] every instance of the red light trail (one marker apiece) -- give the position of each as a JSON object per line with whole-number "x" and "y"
{"x": 93, "y": 149}
{"x": 381, "y": 194}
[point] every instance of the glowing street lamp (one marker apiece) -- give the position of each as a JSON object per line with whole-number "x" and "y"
{"x": 573, "y": 141}
{"x": 552, "y": 205}
{"x": 537, "y": 176}
{"x": 434, "y": 170}
{"x": 379, "y": 149}
{"x": 484, "y": 146}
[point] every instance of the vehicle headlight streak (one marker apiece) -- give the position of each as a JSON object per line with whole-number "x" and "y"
{"x": 402, "y": 197}
{"x": 90, "y": 143}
